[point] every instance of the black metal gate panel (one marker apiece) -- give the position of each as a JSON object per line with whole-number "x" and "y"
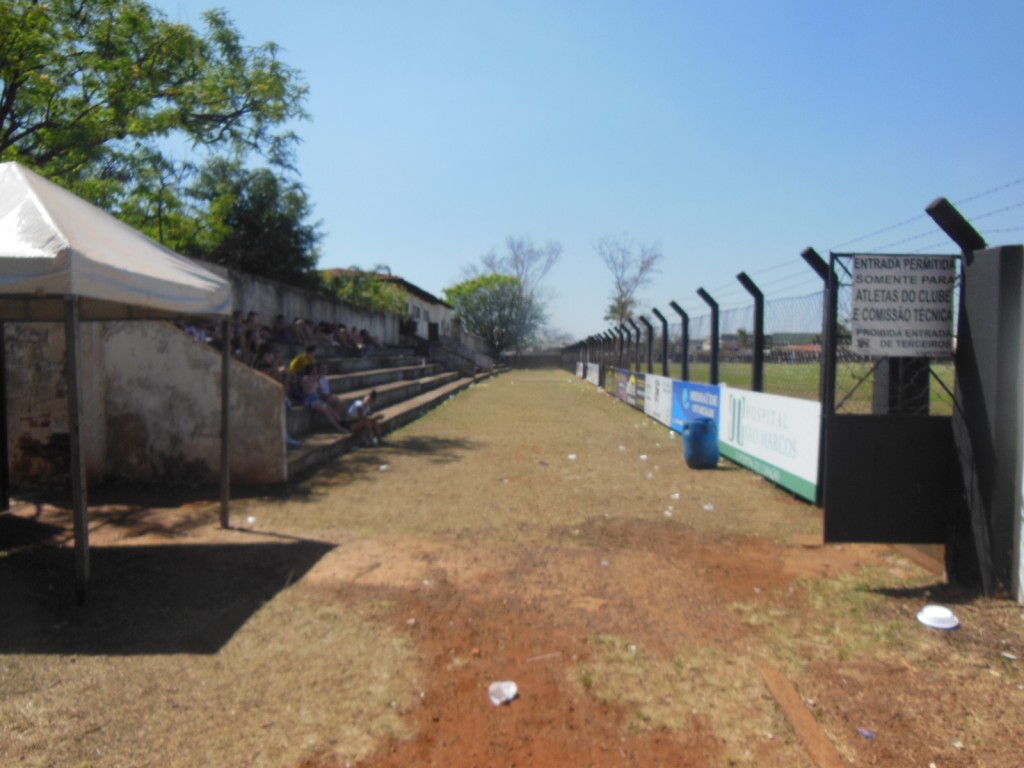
{"x": 890, "y": 479}
{"x": 889, "y": 466}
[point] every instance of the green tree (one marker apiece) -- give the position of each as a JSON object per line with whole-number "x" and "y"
{"x": 95, "y": 94}
{"x": 86, "y": 83}
{"x": 497, "y": 309}
{"x": 369, "y": 289}
{"x": 254, "y": 222}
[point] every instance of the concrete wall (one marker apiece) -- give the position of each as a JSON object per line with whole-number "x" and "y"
{"x": 151, "y": 407}
{"x": 474, "y": 342}
{"x": 151, "y": 395}
{"x": 37, "y": 402}
{"x": 424, "y": 312}
{"x": 162, "y": 402}
{"x": 270, "y": 298}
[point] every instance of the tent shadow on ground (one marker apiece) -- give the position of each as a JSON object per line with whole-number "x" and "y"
{"x": 16, "y": 532}
{"x": 143, "y": 599}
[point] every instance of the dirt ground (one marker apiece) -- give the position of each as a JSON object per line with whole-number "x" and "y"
{"x": 533, "y": 530}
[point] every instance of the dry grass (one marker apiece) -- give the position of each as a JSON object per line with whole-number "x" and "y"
{"x": 304, "y": 677}
{"x": 531, "y": 516}
{"x": 700, "y": 684}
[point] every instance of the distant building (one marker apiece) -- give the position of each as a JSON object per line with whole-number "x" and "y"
{"x": 424, "y": 309}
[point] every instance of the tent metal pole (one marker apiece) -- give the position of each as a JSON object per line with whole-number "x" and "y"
{"x": 5, "y": 472}
{"x": 225, "y": 437}
{"x": 80, "y": 511}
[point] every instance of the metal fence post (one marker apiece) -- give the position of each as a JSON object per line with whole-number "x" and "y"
{"x": 664, "y": 341}
{"x": 753, "y": 290}
{"x": 650, "y": 343}
{"x": 714, "y": 332}
{"x": 685, "y": 375}
{"x": 636, "y": 343}
{"x": 824, "y": 271}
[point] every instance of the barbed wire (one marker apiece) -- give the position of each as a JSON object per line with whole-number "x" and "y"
{"x": 988, "y": 192}
{"x": 801, "y": 277}
{"x": 999, "y": 210}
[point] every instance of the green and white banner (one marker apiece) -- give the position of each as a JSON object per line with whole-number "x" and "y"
{"x": 775, "y": 436}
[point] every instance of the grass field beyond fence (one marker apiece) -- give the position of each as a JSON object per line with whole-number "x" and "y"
{"x": 854, "y": 381}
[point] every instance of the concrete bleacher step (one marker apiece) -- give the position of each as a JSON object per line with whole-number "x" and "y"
{"x": 320, "y": 447}
{"x": 342, "y": 383}
{"x": 302, "y": 421}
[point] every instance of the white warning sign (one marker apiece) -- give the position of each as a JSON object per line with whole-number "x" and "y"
{"x": 903, "y": 305}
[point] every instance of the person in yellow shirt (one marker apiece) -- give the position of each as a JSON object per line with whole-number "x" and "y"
{"x": 297, "y": 369}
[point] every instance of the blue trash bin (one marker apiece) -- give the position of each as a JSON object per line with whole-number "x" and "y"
{"x": 700, "y": 443}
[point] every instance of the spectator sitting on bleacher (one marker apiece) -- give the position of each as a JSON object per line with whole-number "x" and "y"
{"x": 356, "y": 338}
{"x": 311, "y": 398}
{"x": 198, "y": 330}
{"x": 269, "y": 361}
{"x": 360, "y": 419}
{"x": 297, "y": 369}
{"x": 341, "y": 336}
{"x": 283, "y": 333}
{"x": 248, "y": 332}
{"x": 325, "y": 334}
{"x": 324, "y": 388}
{"x": 304, "y": 333}
{"x": 370, "y": 341}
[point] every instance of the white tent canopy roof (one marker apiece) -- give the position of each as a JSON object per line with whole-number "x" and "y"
{"x": 54, "y": 244}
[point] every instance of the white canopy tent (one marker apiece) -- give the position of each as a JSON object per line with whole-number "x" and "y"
{"x": 62, "y": 258}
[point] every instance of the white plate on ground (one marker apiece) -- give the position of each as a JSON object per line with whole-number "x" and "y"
{"x": 938, "y": 617}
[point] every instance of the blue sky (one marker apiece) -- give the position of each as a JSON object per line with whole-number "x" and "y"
{"x": 731, "y": 133}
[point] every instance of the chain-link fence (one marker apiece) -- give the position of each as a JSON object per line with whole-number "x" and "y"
{"x": 793, "y": 329}
{"x": 792, "y": 347}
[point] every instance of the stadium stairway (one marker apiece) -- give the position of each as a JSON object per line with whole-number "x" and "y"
{"x": 406, "y": 385}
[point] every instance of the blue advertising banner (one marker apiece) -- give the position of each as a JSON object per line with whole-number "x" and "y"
{"x": 694, "y": 401}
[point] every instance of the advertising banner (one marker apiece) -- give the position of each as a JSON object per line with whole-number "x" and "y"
{"x": 594, "y": 374}
{"x": 691, "y": 400}
{"x": 635, "y": 391}
{"x": 902, "y": 306}
{"x": 622, "y": 384}
{"x": 580, "y": 368}
{"x": 658, "y": 398}
{"x": 629, "y": 387}
{"x": 775, "y": 436}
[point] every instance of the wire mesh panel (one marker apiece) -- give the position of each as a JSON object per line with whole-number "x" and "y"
{"x": 736, "y": 347}
{"x": 792, "y": 354}
{"x": 793, "y": 328}
{"x": 697, "y": 353}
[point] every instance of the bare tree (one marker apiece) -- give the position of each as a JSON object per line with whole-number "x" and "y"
{"x": 525, "y": 261}
{"x": 631, "y": 264}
